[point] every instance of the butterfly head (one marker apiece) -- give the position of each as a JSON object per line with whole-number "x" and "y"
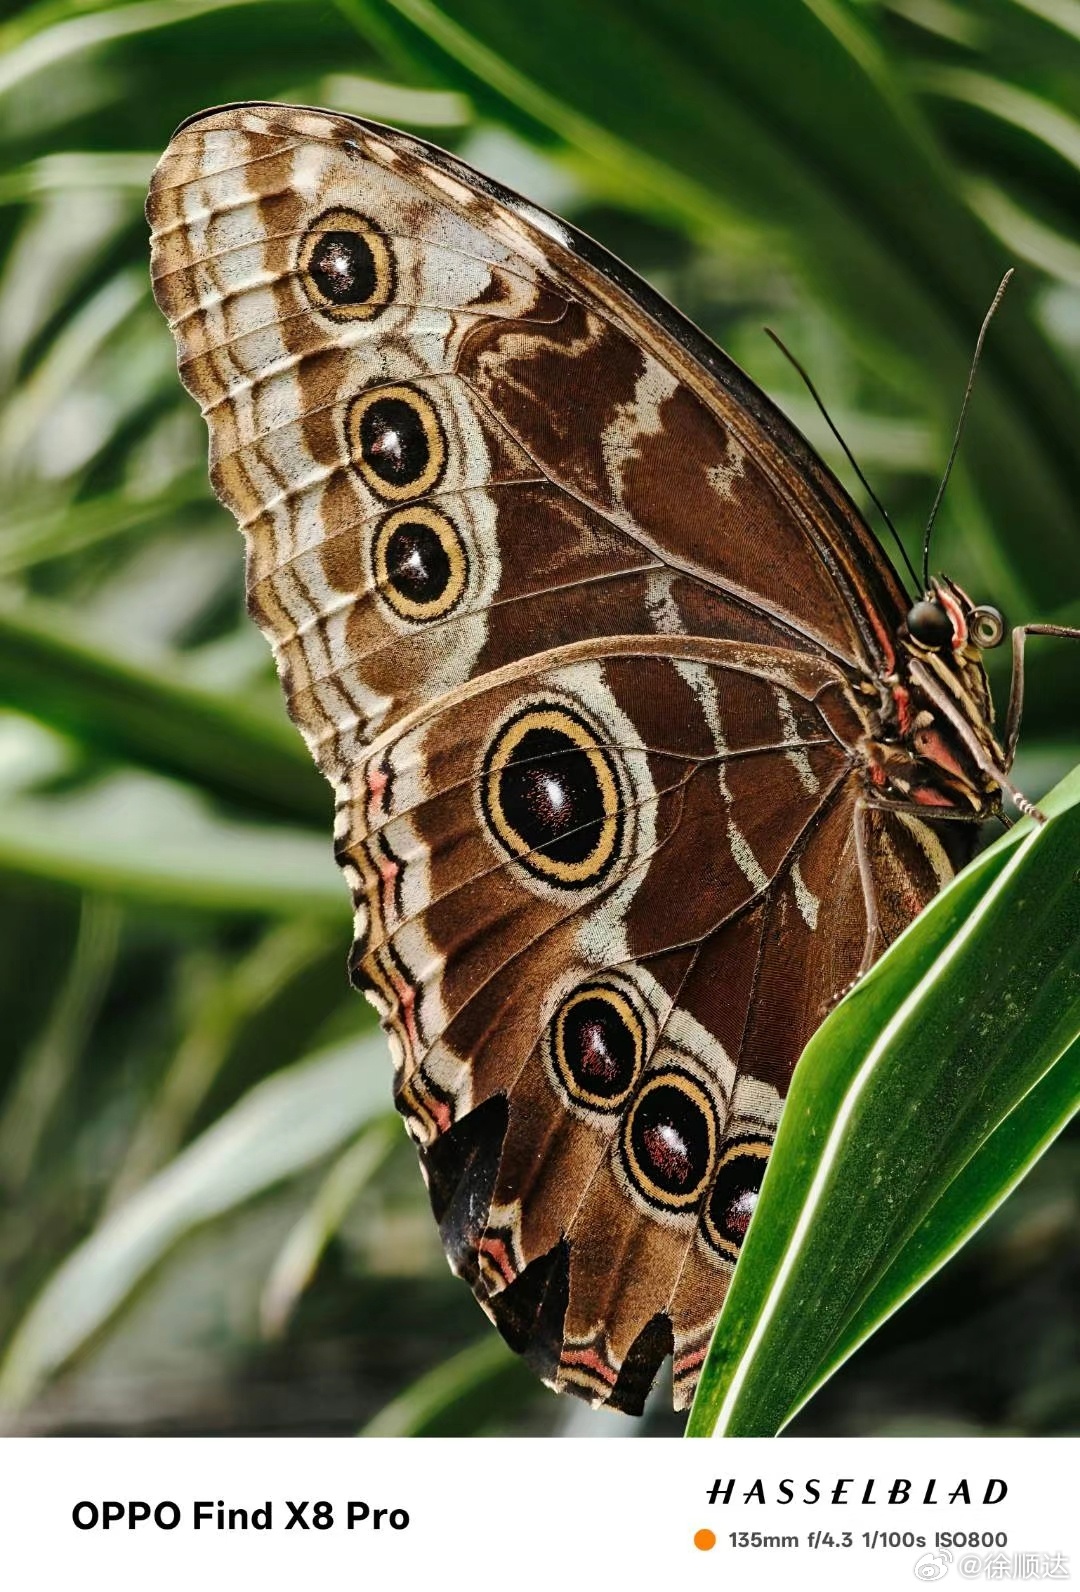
{"x": 946, "y": 620}
{"x": 946, "y": 715}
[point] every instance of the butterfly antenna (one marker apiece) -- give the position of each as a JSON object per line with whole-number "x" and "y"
{"x": 987, "y": 318}
{"x": 816, "y": 396}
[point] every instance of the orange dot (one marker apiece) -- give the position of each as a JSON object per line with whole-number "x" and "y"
{"x": 705, "y": 1539}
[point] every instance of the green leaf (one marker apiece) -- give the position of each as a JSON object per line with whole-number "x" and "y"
{"x": 143, "y": 839}
{"x": 224, "y": 1000}
{"x": 51, "y": 672}
{"x": 287, "y": 1123}
{"x": 55, "y": 532}
{"x": 306, "y": 1244}
{"x": 43, "y": 35}
{"x": 914, "y": 1110}
{"x": 989, "y": 1177}
{"x": 459, "y": 1396}
{"x": 49, "y": 1069}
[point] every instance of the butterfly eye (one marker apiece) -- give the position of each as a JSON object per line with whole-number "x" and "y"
{"x": 930, "y": 625}
{"x": 987, "y": 627}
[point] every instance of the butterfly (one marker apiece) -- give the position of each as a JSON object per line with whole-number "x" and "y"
{"x": 641, "y": 751}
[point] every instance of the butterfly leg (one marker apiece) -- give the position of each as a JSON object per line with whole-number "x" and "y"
{"x": 1016, "y": 693}
{"x": 874, "y": 942}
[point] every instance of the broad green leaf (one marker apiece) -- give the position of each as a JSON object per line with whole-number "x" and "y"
{"x": 287, "y": 1123}
{"x": 988, "y": 1178}
{"x": 51, "y": 672}
{"x": 889, "y": 1153}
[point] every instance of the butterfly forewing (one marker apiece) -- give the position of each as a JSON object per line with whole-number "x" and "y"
{"x": 581, "y": 633}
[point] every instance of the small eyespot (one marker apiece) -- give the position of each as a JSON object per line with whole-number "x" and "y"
{"x": 596, "y": 1043}
{"x": 987, "y": 627}
{"x": 346, "y": 268}
{"x": 734, "y": 1195}
{"x": 669, "y": 1139}
{"x": 396, "y": 441}
{"x": 930, "y": 625}
{"x": 421, "y": 563}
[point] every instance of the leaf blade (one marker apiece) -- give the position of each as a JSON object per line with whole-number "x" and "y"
{"x": 879, "y": 1123}
{"x": 290, "y": 1121}
{"x": 133, "y": 711}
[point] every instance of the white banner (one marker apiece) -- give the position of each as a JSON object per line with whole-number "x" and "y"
{"x": 156, "y": 1514}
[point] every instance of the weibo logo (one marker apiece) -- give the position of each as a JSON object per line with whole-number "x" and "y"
{"x": 932, "y": 1566}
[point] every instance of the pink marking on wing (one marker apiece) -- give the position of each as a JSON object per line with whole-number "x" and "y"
{"x": 388, "y": 871}
{"x": 377, "y": 782}
{"x": 590, "y": 1358}
{"x": 690, "y": 1361}
{"x": 499, "y": 1255}
{"x": 406, "y": 996}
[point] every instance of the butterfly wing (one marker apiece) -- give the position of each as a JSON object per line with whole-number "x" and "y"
{"x": 576, "y": 626}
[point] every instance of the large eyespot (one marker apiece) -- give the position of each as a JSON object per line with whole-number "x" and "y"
{"x": 421, "y": 562}
{"x": 668, "y": 1141}
{"x": 396, "y": 441}
{"x": 987, "y": 626}
{"x": 596, "y": 1045}
{"x": 930, "y": 625}
{"x": 734, "y": 1195}
{"x": 550, "y": 794}
{"x": 346, "y": 268}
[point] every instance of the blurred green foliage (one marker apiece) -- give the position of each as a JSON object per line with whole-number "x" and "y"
{"x": 196, "y": 1162}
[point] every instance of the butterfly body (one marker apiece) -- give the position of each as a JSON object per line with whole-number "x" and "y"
{"x": 936, "y": 747}
{"x": 637, "y": 764}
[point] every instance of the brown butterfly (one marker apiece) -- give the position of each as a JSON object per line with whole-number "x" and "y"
{"x": 641, "y": 751}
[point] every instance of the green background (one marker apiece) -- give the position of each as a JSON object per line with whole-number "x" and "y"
{"x": 195, "y": 1156}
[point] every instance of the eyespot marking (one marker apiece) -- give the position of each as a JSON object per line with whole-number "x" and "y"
{"x": 421, "y": 563}
{"x": 734, "y": 1195}
{"x": 346, "y": 266}
{"x": 396, "y": 441}
{"x": 550, "y": 795}
{"x": 669, "y": 1139}
{"x": 596, "y": 1044}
